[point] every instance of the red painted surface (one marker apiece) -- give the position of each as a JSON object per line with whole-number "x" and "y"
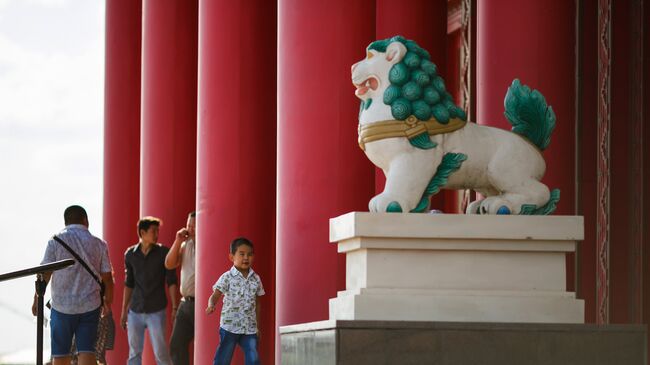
{"x": 424, "y": 21}
{"x": 236, "y": 156}
{"x": 626, "y": 235}
{"x": 528, "y": 40}
{"x": 620, "y": 253}
{"x": 588, "y": 94}
{"x": 121, "y": 145}
{"x": 168, "y": 134}
{"x": 453, "y": 83}
{"x": 322, "y": 173}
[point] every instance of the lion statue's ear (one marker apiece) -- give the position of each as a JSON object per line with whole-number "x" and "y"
{"x": 395, "y": 52}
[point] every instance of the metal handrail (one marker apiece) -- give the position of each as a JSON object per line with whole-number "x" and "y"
{"x": 41, "y": 284}
{"x": 54, "y": 266}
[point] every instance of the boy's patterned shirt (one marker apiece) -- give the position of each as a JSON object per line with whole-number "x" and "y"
{"x": 239, "y": 295}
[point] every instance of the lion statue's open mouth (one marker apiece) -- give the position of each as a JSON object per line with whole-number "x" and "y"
{"x": 371, "y": 83}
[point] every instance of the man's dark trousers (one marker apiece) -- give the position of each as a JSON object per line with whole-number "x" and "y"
{"x": 183, "y": 332}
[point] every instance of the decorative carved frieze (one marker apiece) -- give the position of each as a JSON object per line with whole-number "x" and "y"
{"x": 603, "y": 161}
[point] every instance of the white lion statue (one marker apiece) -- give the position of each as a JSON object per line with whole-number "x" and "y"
{"x": 411, "y": 129}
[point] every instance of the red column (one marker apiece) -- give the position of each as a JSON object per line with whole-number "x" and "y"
{"x": 424, "y": 21}
{"x": 236, "y": 155}
{"x": 322, "y": 173}
{"x": 168, "y": 139}
{"x": 534, "y": 42}
{"x": 121, "y": 144}
{"x": 587, "y": 192}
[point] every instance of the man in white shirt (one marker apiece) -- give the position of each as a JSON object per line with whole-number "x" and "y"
{"x": 183, "y": 254}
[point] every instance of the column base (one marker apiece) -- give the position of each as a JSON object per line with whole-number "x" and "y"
{"x": 390, "y": 342}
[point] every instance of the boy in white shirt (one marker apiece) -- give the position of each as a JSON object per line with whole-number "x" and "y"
{"x": 241, "y": 288}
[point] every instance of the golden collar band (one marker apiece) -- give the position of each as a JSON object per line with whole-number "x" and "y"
{"x": 408, "y": 128}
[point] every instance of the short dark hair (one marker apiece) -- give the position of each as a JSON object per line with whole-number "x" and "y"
{"x": 145, "y": 222}
{"x": 240, "y": 241}
{"x": 192, "y": 215}
{"x": 74, "y": 214}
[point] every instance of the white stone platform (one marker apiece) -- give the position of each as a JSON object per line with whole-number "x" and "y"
{"x": 456, "y": 268}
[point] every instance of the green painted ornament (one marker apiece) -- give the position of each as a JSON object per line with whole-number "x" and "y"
{"x": 401, "y": 109}
{"x": 412, "y": 60}
{"x": 421, "y": 110}
{"x": 391, "y": 94}
{"x": 429, "y": 67}
{"x": 430, "y": 95}
{"x": 411, "y": 91}
{"x": 439, "y": 84}
{"x": 440, "y": 113}
{"x": 421, "y": 78}
{"x": 398, "y": 74}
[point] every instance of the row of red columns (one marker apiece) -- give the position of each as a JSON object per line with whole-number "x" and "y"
{"x": 221, "y": 157}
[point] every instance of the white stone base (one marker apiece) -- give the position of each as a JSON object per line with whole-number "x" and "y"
{"x": 452, "y": 307}
{"x": 420, "y": 267}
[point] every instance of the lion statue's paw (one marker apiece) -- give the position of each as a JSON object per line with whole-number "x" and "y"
{"x": 386, "y": 203}
{"x": 495, "y": 205}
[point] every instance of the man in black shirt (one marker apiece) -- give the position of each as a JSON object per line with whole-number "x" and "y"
{"x": 144, "y": 301}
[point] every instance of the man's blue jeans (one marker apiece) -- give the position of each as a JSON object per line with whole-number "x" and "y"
{"x": 155, "y": 322}
{"x": 228, "y": 340}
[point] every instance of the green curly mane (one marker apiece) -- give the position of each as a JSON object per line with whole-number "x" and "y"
{"x": 416, "y": 88}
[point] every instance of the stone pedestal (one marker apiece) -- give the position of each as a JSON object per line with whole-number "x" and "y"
{"x": 444, "y": 343}
{"x": 457, "y": 289}
{"x": 458, "y": 268}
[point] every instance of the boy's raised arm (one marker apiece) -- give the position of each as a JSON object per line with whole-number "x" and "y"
{"x": 212, "y": 301}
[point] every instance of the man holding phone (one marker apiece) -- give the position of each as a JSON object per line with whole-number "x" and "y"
{"x": 183, "y": 254}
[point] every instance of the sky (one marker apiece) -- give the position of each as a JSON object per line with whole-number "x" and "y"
{"x": 51, "y": 141}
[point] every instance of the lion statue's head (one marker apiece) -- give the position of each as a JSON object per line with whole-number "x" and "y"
{"x": 397, "y": 79}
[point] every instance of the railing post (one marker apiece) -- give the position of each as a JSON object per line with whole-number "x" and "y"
{"x": 41, "y": 285}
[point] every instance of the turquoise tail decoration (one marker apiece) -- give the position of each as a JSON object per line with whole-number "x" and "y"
{"x": 529, "y": 114}
{"x": 546, "y": 209}
{"x": 450, "y": 163}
